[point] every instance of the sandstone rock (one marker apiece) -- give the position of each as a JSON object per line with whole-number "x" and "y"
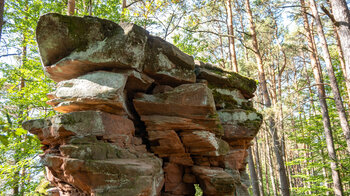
{"x": 91, "y": 151}
{"x": 238, "y": 123}
{"x": 193, "y": 101}
{"x": 165, "y": 142}
{"x": 81, "y": 45}
{"x": 189, "y": 178}
{"x": 181, "y": 159}
{"x": 112, "y": 177}
{"x": 235, "y": 159}
{"x": 198, "y": 119}
{"x": 204, "y": 143}
{"x": 137, "y": 82}
{"x": 188, "y": 106}
{"x": 201, "y": 160}
{"x": 230, "y": 99}
{"x": 214, "y": 181}
{"x": 218, "y": 78}
{"x": 173, "y": 173}
{"x": 159, "y": 122}
{"x": 161, "y": 89}
{"x": 110, "y": 127}
{"x": 173, "y": 183}
{"x": 167, "y": 64}
{"x": 99, "y": 90}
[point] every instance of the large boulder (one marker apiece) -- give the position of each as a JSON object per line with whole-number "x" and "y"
{"x": 72, "y": 46}
{"x": 125, "y": 173}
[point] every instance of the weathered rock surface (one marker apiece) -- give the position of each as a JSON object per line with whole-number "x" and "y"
{"x": 204, "y": 143}
{"x": 121, "y": 172}
{"x": 238, "y": 123}
{"x": 140, "y": 116}
{"x": 81, "y": 45}
{"x": 87, "y": 44}
{"x": 214, "y": 181}
{"x": 186, "y": 107}
{"x": 117, "y": 129}
{"x": 217, "y": 77}
{"x": 167, "y": 64}
{"x": 194, "y": 101}
{"x": 98, "y": 90}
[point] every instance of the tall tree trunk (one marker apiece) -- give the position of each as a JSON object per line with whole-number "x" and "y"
{"x": 267, "y": 101}
{"x": 233, "y": 58}
{"x": 321, "y": 95}
{"x": 333, "y": 81}
{"x": 272, "y": 175}
{"x": 222, "y": 49}
{"x": 2, "y": 4}
{"x": 71, "y": 7}
{"x": 258, "y": 167}
{"x": 341, "y": 57}
{"x": 341, "y": 15}
{"x": 253, "y": 176}
{"x": 239, "y": 11}
{"x": 266, "y": 173}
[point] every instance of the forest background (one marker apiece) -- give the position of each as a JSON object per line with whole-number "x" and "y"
{"x": 297, "y": 50}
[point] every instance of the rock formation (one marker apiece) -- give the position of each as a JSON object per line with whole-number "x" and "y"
{"x": 140, "y": 117}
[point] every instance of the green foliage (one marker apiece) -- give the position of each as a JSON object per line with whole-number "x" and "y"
{"x": 199, "y": 191}
{"x": 23, "y": 89}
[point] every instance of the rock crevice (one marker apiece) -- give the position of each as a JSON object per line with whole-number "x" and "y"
{"x": 140, "y": 117}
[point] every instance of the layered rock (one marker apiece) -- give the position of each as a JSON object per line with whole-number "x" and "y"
{"x": 140, "y": 117}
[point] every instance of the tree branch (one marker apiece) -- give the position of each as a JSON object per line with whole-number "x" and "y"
{"x": 330, "y": 15}
{"x": 5, "y": 55}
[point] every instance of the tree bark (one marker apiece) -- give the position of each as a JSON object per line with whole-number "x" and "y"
{"x": 267, "y": 101}
{"x": 324, "y": 109}
{"x": 272, "y": 175}
{"x": 341, "y": 15}
{"x": 71, "y": 7}
{"x": 333, "y": 81}
{"x": 253, "y": 176}
{"x": 258, "y": 166}
{"x": 341, "y": 56}
{"x": 2, "y": 4}
{"x": 233, "y": 58}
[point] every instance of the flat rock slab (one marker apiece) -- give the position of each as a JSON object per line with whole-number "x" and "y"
{"x": 239, "y": 124}
{"x": 158, "y": 122}
{"x": 203, "y": 143}
{"x": 214, "y": 180}
{"x": 167, "y": 64}
{"x": 194, "y": 101}
{"x": 99, "y": 90}
{"x": 230, "y": 99}
{"x": 72, "y": 46}
{"x": 110, "y": 127}
{"x": 219, "y": 78}
{"x": 140, "y": 176}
